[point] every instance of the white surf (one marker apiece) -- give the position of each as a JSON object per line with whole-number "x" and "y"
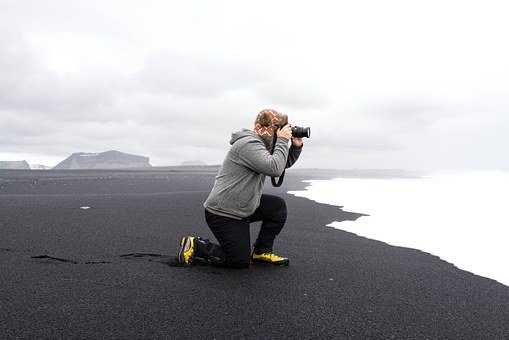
{"x": 460, "y": 217}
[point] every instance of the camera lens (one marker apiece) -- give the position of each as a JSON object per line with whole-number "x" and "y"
{"x": 300, "y": 132}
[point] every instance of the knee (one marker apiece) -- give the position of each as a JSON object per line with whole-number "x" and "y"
{"x": 238, "y": 264}
{"x": 241, "y": 258}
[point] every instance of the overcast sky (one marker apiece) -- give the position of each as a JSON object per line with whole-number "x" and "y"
{"x": 382, "y": 84}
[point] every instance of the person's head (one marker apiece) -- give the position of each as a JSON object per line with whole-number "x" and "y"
{"x": 267, "y": 122}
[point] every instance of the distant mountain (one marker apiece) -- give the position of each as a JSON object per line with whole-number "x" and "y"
{"x": 14, "y": 165}
{"x": 104, "y": 160}
{"x": 201, "y": 163}
{"x": 39, "y": 167}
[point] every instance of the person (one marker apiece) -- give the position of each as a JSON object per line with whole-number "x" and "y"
{"x": 236, "y": 199}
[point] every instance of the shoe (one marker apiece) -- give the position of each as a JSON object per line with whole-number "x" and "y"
{"x": 187, "y": 250}
{"x": 271, "y": 258}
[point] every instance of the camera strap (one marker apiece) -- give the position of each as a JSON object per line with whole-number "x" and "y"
{"x": 273, "y": 179}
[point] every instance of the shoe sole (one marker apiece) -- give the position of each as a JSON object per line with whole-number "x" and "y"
{"x": 282, "y": 263}
{"x": 185, "y": 243}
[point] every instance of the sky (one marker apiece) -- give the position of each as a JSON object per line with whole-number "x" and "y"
{"x": 417, "y": 85}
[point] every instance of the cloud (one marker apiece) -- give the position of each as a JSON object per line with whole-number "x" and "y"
{"x": 172, "y": 81}
{"x": 195, "y": 75}
{"x": 28, "y": 86}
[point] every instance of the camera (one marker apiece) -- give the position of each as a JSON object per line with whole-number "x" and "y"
{"x": 300, "y": 132}
{"x": 297, "y": 132}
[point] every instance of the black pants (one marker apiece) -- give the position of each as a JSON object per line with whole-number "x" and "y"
{"x": 234, "y": 247}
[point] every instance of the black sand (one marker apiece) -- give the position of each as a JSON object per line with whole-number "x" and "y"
{"x": 101, "y": 273}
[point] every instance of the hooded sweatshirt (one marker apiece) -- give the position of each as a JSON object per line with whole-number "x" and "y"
{"x": 238, "y": 184}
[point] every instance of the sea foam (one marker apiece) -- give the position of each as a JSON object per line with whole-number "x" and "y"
{"x": 460, "y": 217}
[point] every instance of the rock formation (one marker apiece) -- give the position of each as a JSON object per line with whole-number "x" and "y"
{"x": 104, "y": 160}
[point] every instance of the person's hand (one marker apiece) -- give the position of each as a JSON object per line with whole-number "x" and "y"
{"x": 298, "y": 142}
{"x": 285, "y": 132}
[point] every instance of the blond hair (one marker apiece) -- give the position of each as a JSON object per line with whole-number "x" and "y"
{"x": 271, "y": 118}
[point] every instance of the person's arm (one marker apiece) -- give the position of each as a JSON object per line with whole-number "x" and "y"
{"x": 293, "y": 155}
{"x": 255, "y": 156}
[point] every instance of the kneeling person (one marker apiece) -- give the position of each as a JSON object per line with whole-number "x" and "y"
{"x": 236, "y": 199}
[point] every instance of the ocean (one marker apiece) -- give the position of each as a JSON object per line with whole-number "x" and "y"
{"x": 462, "y": 217}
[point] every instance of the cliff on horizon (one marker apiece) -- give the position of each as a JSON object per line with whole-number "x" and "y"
{"x": 14, "y": 165}
{"x": 104, "y": 160}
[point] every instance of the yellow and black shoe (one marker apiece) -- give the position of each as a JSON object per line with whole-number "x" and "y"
{"x": 270, "y": 258}
{"x": 187, "y": 250}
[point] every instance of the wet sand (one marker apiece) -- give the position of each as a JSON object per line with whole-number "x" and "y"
{"x": 68, "y": 272}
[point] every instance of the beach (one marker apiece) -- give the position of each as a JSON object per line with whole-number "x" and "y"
{"x": 84, "y": 255}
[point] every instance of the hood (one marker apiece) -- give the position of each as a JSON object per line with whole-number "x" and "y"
{"x": 246, "y": 133}
{"x": 242, "y": 134}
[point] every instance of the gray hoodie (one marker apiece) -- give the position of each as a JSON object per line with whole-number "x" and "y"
{"x": 238, "y": 184}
